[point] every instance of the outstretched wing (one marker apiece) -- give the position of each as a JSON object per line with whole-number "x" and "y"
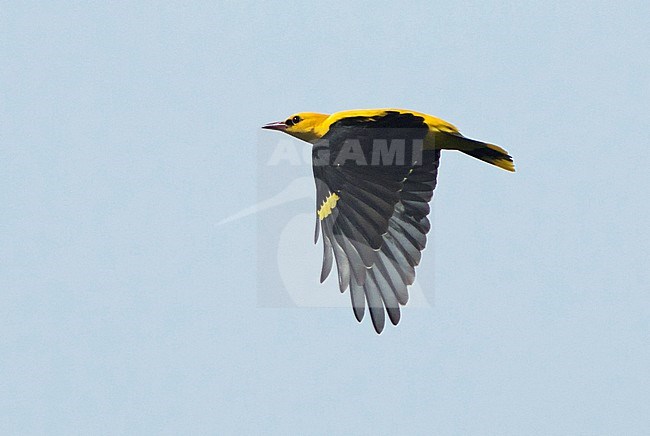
{"x": 372, "y": 191}
{"x": 387, "y": 281}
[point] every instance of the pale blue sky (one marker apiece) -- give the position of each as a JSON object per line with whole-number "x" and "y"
{"x": 129, "y": 131}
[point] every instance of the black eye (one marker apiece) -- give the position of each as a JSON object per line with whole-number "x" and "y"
{"x": 295, "y": 119}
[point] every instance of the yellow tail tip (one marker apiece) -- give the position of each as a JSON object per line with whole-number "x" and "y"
{"x": 503, "y": 161}
{"x": 505, "y": 164}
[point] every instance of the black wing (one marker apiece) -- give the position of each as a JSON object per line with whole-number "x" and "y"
{"x": 386, "y": 282}
{"x": 373, "y": 184}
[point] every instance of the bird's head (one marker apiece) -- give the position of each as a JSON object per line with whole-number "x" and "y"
{"x": 304, "y": 125}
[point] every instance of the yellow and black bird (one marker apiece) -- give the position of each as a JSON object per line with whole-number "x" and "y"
{"x": 375, "y": 172}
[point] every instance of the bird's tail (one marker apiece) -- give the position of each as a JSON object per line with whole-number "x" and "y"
{"x": 489, "y": 153}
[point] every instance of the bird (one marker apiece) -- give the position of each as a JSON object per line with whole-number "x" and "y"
{"x": 375, "y": 172}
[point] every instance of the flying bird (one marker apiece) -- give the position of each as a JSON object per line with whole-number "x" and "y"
{"x": 375, "y": 172}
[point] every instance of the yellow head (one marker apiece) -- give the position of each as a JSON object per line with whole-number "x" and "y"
{"x": 303, "y": 125}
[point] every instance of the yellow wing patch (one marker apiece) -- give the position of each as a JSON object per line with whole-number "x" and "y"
{"x": 326, "y": 208}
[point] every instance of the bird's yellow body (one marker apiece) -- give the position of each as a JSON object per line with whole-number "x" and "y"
{"x": 441, "y": 135}
{"x": 435, "y": 124}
